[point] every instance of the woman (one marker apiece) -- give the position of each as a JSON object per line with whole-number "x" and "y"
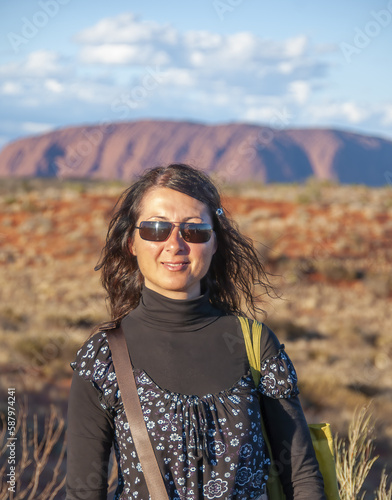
{"x": 177, "y": 272}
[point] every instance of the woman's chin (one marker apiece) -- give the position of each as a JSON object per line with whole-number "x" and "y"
{"x": 176, "y": 289}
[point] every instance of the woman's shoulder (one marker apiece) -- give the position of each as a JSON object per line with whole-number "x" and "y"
{"x": 278, "y": 378}
{"x": 93, "y": 353}
{"x": 269, "y": 342}
{"x": 238, "y": 327}
{"x": 94, "y": 363}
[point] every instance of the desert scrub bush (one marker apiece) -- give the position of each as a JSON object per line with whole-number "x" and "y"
{"x": 76, "y": 320}
{"x": 354, "y": 459}
{"x": 39, "y": 464}
{"x": 10, "y": 200}
{"x": 312, "y": 191}
{"x": 12, "y": 320}
{"x": 291, "y": 331}
{"x": 380, "y": 285}
{"x": 47, "y": 353}
{"x": 337, "y": 271}
{"x": 40, "y": 468}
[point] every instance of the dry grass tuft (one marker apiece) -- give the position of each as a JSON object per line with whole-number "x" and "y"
{"x": 384, "y": 492}
{"x": 354, "y": 459}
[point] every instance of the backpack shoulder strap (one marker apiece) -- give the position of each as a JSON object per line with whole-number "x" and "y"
{"x": 252, "y": 344}
{"x": 134, "y": 414}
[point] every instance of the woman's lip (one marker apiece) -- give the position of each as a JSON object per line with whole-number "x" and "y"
{"x": 175, "y": 266}
{"x": 178, "y": 262}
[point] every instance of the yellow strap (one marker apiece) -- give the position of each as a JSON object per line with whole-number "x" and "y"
{"x": 248, "y": 341}
{"x": 256, "y": 334}
{"x": 321, "y": 433}
{"x": 252, "y": 344}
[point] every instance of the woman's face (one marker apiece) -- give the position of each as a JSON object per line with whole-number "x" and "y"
{"x": 173, "y": 267}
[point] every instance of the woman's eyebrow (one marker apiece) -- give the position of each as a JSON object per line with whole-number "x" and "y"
{"x": 161, "y": 217}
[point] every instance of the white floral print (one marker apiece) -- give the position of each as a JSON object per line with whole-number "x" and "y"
{"x": 215, "y": 488}
{"x": 208, "y": 447}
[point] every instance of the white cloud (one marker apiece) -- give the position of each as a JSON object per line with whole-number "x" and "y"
{"x": 354, "y": 113}
{"x": 234, "y": 52}
{"x": 180, "y": 77}
{"x": 241, "y": 44}
{"x": 90, "y": 91}
{"x": 276, "y": 116}
{"x": 11, "y": 88}
{"x": 42, "y": 62}
{"x": 32, "y": 92}
{"x": 122, "y": 54}
{"x": 300, "y": 90}
{"x": 348, "y": 110}
{"x": 387, "y": 115}
{"x": 36, "y": 128}
{"x": 296, "y": 47}
{"x": 125, "y": 39}
{"x": 38, "y": 64}
{"x": 126, "y": 28}
{"x": 285, "y": 67}
{"x": 203, "y": 40}
{"x": 203, "y": 75}
{"x": 54, "y": 86}
{"x": 215, "y": 70}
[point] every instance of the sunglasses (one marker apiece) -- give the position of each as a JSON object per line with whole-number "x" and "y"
{"x": 191, "y": 232}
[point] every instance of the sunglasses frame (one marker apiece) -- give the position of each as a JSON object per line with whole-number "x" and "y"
{"x": 206, "y": 228}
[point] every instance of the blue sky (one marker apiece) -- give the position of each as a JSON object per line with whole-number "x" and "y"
{"x": 278, "y": 63}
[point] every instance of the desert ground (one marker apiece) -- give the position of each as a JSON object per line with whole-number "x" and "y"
{"x": 327, "y": 247}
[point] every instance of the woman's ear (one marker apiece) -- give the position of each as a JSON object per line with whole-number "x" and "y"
{"x": 131, "y": 246}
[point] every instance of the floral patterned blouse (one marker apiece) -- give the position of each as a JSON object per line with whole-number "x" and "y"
{"x": 208, "y": 447}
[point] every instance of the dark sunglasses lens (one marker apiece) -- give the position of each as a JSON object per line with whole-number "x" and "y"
{"x": 196, "y": 233}
{"x": 154, "y": 230}
{"x": 160, "y": 231}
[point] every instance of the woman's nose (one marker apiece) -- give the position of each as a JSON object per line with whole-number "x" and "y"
{"x": 175, "y": 240}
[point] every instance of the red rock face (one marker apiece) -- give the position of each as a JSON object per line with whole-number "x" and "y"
{"x": 232, "y": 152}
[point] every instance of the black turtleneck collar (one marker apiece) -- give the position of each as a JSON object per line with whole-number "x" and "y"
{"x": 166, "y": 314}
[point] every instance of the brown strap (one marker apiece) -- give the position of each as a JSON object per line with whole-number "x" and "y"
{"x": 133, "y": 411}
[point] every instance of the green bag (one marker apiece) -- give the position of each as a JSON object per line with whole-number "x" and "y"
{"x": 321, "y": 433}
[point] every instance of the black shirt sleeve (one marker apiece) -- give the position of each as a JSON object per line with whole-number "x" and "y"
{"x": 89, "y": 440}
{"x": 289, "y": 437}
{"x": 292, "y": 448}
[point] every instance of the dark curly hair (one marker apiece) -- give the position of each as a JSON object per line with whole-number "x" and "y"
{"x": 235, "y": 267}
